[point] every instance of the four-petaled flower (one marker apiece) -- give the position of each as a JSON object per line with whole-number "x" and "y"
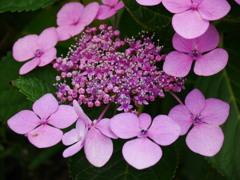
{"x": 109, "y": 8}
{"x": 142, "y": 153}
{"x": 178, "y": 63}
{"x": 192, "y": 16}
{"x": 97, "y": 142}
{"x": 40, "y": 48}
{"x": 73, "y": 17}
{"x": 206, "y": 137}
{"x": 42, "y": 125}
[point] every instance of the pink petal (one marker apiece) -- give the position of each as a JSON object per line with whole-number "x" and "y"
{"x": 78, "y": 28}
{"x": 148, "y": 3}
{"x": 125, "y": 125}
{"x": 45, "y": 136}
{"x": 69, "y": 13}
{"x": 72, "y": 149}
{"x": 110, "y": 2}
{"x": 209, "y": 40}
{"x": 205, "y": 139}
{"x": 89, "y": 13}
{"x": 211, "y": 63}
{"x": 47, "y": 57}
{"x": 195, "y": 101}
{"x": 104, "y": 127}
{"x": 189, "y": 24}
{"x": 177, "y": 64}
{"x": 81, "y": 129}
{"x": 70, "y": 137}
{"x": 215, "y": 111}
{"x": 164, "y": 130}
{"x": 45, "y": 106}
{"x": 29, "y": 66}
{"x": 182, "y": 116}
{"x": 81, "y": 115}
{"x": 105, "y": 12}
{"x": 181, "y": 44}
{"x": 214, "y": 9}
{"x": 98, "y": 148}
{"x": 120, "y": 5}
{"x": 145, "y": 120}
{"x": 141, "y": 153}
{"x": 176, "y": 6}
{"x": 24, "y": 48}
{"x": 64, "y": 32}
{"x": 23, "y": 122}
{"x": 64, "y": 117}
{"x": 237, "y": 1}
{"x": 48, "y": 39}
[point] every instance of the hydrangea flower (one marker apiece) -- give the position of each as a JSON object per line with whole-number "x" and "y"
{"x": 109, "y": 8}
{"x": 73, "y": 17}
{"x": 141, "y": 152}
{"x": 149, "y": 2}
{"x": 178, "y": 63}
{"x": 97, "y": 142}
{"x": 40, "y": 49}
{"x": 206, "y": 137}
{"x": 42, "y": 125}
{"x": 192, "y": 16}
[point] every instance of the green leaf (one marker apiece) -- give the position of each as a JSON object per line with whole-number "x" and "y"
{"x": 225, "y": 86}
{"x": 37, "y": 82}
{"x": 23, "y": 5}
{"x": 149, "y": 17}
{"x": 118, "y": 169}
{"x": 11, "y": 100}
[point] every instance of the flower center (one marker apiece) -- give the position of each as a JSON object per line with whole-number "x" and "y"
{"x": 44, "y": 121}
{"x": 194, "y": 6}
{"x": 197, "y": 119}
{"x": 143, "y": 133}
{"x": 38, "y": 53}
{"x": 195, "y": 54}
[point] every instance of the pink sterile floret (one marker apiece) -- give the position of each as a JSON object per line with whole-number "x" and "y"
{"x": 206, "y": 137}
{"x": 192, "y": 16}
{"x": 97, "y": 142}
{"x": 73, "y": 17}
{"x": 40, "y": 48}
{"x": 178, "y": 63}
{"x": 142, "y": 153}
{"x": 109, "y": 8}
{"x": 149, "y": 2}
{"x": 42, "y": 125}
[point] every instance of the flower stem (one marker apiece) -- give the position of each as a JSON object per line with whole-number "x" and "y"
{"x": 115, "y": 21}
{"x": 175, "y": 96}
{"x": 104, "y": 111}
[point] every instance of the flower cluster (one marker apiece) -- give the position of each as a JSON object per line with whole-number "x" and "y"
{"x": 101, "y": 74}
{"x": 101, "y": 70}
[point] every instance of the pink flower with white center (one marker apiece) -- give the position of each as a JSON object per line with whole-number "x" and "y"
{"x": 149, "y": 2}
{"x": 206, "y": 137}
{"x": 109, "y": 8}
{"x": 73, "y": 17}
{"x": 42, "y": 125}
{"x": 178, "y": 63}
{"x": 40, "y": 48}
{"x": 97, "y": 142}
{"x": 192, "y": 16}
{"x": 142, "y": 153}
